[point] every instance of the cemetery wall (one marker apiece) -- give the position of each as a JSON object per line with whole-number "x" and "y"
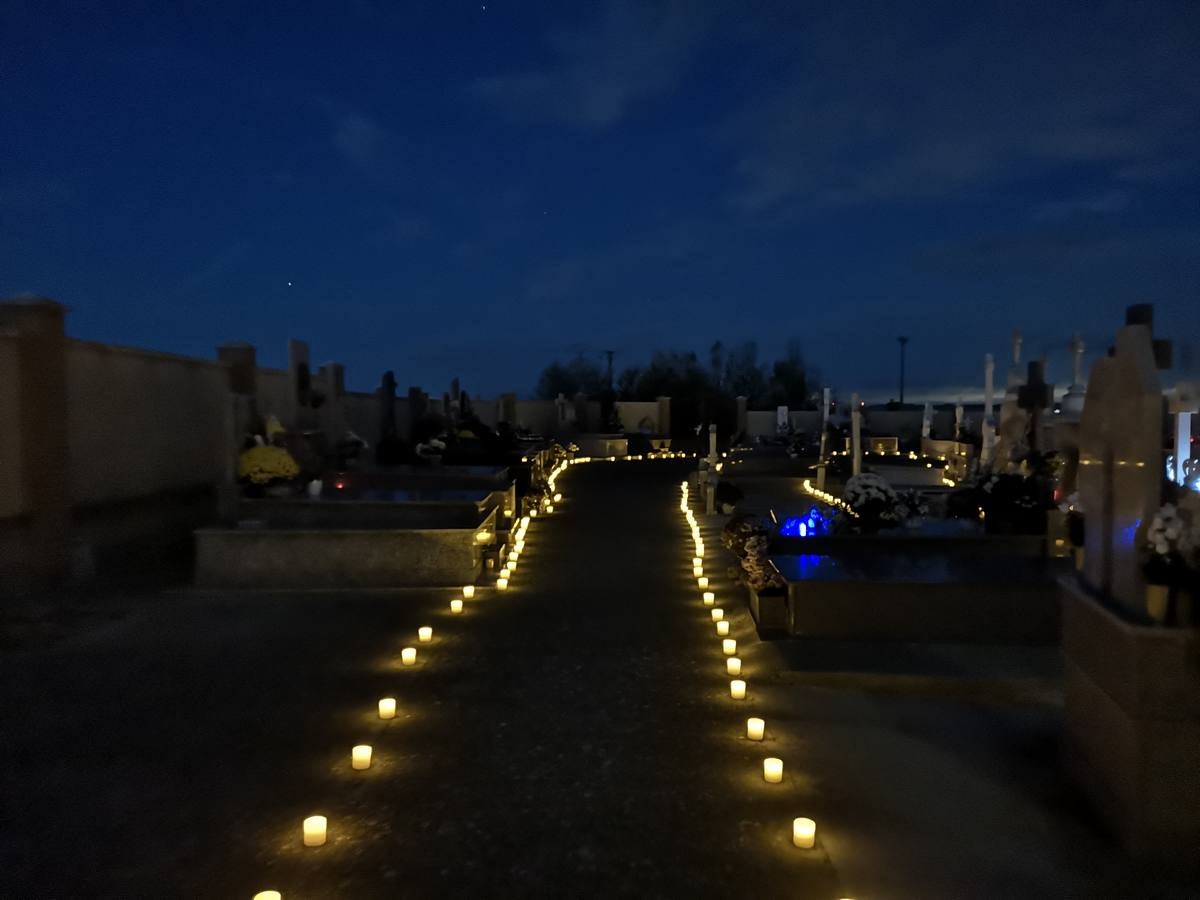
{"x": 633, "y": 412}
{"x": 537, "y": 415}
{"x": 274, "y": 393}
{"x": 12, "y": 479}
{"x": 141, "y": 422}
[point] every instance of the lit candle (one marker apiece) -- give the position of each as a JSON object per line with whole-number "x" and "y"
{"x": 360, "y": 756}
{"x": 723, "y": 628}
{"x": 519, "y": 546}
{"x": 733, "y": 666}
{"x": 717, "y": 614}
{"x": 505, "y": 572}
{"x": 804, "y": 833}
{"x": 772, "y": 770}
{"x": 729, "y": 647}
{"x": 502, "y": 584}
{"x": 755, "y": 728}
{"x": 268, "y": 895}
{"x": 697, "y": 571}
{"x": 549, "y": 508}
{"x": 456, "y": 606}
{"x": 424, "y": 634}
{"x": 408, "y": 656}
{"x": 703, "y": 582}
{"x": 483, "y": 537}
{"x": 709, "y": 598}
{"x": 533, "y": 514}
{"x": 737, "y": 689}
{"x": 512, "y": 558}
{"x": 524, "y": 521}
{"x": 469, "y": 591}
{"x": 697, "y": 561}
{"x": 314, "y": 831}
{"x": 557, "y": 498}
{"x": 387, "y": 708}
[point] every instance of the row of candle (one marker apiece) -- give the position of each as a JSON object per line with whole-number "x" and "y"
{"x": 315, "y": 829}
{"x": 804, "y": 830}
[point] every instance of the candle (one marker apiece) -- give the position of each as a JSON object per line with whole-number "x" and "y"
{"x": 755, "y": 729}
{"x": 697, "y": 571}
{"x": 469, "y": 591}
{"x": 314, "y": 831}
{"x": 737, "y": 689}
{"x": 804, "y": 833}
{"x": 729, "y": 647}
{"x": 483, "y": 537}
{"x": 697, "y": 561}
{"x": 387, "y": 708}
{"x": 723, "y": 628}
{"x": 502, "y": 584}
{"x": 717, "y": 614}
{"x": 268, "y": 895}
{"x": 360, "y": 756}
{"x": 733, "y": 666}
{"x": 512, "y": 558}
{"x": 772, "y": 770}
{"x": 519, "y": 547}
{"x": 699, "y": 548}
{"x": 709, "y": 598}
{"x": 533, "y": 514}
{"x": 456, "y": 606}
{"x": 424, "y": 634}
{"x": 549, "y": 507}
{"x": 557, "y": 498}
{"x": 408, "y": 656}
{"x": 524, "y": 521}
{"x": 702, "y": 581}
{"x": 505, "y": 572}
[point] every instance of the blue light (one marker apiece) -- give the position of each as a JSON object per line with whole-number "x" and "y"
{"x": 815, "y": 522}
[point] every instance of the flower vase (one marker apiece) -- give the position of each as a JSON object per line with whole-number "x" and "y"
{"x": 1158, "y": 598}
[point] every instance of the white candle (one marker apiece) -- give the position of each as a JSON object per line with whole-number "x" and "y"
{"x": 424, "y": 634}
{"x": 723, "y": 628}
{"x": 729, "y": 647}
{"x": 314, "y": 831}
{"x": 469, "y": 591}
{"x": 703, "y": 582}
{"x": 483, "y": 537}
{"x": 456, "y": 606}
{"x": 387, "y": 708}
{"x": 360, "y": 756}
{"x": 408, "y": 656}
{"x": 699, "y": 548}
{"x": 709, "y": 598}
{"x": 557, "y": 498}
{"x": 533, "y": 514}
{"x": 737, "y": 689}
{"x": 268, "y": 895}
{"x": 549, "y": 508}
{"x": 502, "y": 584}
{"x": 505, "y": 572}
{"x": 718, "y": 614}
{"x": 512, "y": 558}
{"x": 697, "y": 561}
{"x": 772, "y": 770}
{"x": 524, "y": 521}
{"x": 755, "y": 729}
{"x": 733, "y": 666}
{"x": 804, "y": 833}
{"x": 697, "y": 571}
{"x": 519, "y": 547}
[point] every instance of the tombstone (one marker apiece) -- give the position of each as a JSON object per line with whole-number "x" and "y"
{"x": 1132, "y": 691}
{"x": 1014, "y": 421}
{"x": 387, "y": 407}
{"x": 664, "y": 415}
{"x": 987, "y": 449}
{"x": 1072, "y": 402}
{"x": 299, "y": 416}
{"x": 926, "y": 421}
{"x": 1184, "y": 404}
{"x": 562, "y": 410}
{"x": 782, "y": 420}
{"x": 855, "y": 435}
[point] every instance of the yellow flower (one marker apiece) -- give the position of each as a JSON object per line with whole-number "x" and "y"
{"x": 265, "y": 464}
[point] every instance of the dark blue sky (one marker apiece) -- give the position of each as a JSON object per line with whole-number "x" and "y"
{"x": 454, "y": 189}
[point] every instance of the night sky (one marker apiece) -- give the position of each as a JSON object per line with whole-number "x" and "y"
{"x": 471, "y": 188}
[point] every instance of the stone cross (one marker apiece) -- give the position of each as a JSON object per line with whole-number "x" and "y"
{"x": 1120, "y": 462}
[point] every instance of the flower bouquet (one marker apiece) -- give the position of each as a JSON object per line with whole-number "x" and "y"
{"x": 1169, "y": 554}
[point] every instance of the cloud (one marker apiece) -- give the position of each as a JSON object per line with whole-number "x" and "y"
{"x": 895, "y": 106}
{"x": 634, "y": 52}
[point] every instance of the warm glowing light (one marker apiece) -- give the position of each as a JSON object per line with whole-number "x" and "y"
{"x": 772, "y": 770}
{"x": 424, "y": 634}
{"x": 558, "y": 498}
{"x": 733, "y": 666}
{"x": 387, "y": 708}
{"x": 737, "y": 689}
{"x": 697, "y": 561}
{"x": 502, "y": 584}
{"x": 709, "y": 598}
{"x": 519, "y": 546}
{"x": 755, "y": 729}
{"x": 718, "y": 614}
{"x": 505, "y": 572}
{"x": 697, "y": 571}
{"x": 482, "y": 537}
{"x": 469, "y": 591}
{"x": 729, "y": 647}
{"x": 456, "y": 606}
{"x": 360, "y": 756}
{"x": 268, "y": 895}
{"x": 524, "y": 521}
{"x": 507, "y": 513}
{"x": 408, "y": 656}
{"x": 314, "y": 831}
{"x": 804, "y": 833}
{"x": 533, "y": 514}
{"x": 703, "y": 582}
{"x": 723, "y": 628}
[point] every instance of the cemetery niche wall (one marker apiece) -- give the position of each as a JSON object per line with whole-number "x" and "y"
{"x": 1132, "y": 686}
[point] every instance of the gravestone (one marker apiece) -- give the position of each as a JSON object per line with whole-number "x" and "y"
{"x": 418, "y": 409}
{"x": 855, "y": 435}
{"x": 1072, "y": 402}
{"x": 1014, "y": 421}
{"x": 987, "y": 451}
{"x": 1120, "y": 458}
{"x": 1033, "y": 397}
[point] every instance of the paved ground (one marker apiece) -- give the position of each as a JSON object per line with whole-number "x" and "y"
{"x": 572, "y": 738}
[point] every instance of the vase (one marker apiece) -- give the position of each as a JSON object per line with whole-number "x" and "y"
{"x": 314, "y": 488}
{"x": 1158, "y": 597}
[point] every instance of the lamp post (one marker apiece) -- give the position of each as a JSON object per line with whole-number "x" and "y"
{"x": 903, "y": 343}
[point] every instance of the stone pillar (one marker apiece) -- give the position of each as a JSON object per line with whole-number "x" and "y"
{"x": 664, "y": 415}
{"x": 926, "y": 421}
{"x": 855, "y": 434}
{"x": 39, "y": 325}
{"x": 988, "y": 429}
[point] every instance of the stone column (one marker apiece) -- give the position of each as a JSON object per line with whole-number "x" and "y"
{"x": 926, "y": 421}
{"x": 39, "y": 325}
{"x": 300, "y": 377}
{"x": 855, "y": 434}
